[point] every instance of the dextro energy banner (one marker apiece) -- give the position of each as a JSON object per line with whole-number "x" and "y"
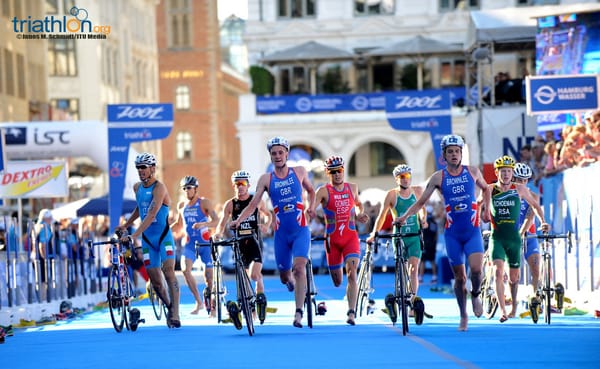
{"x": 34, "y": 179}
{"x": 427, "y": 110}
{"x": 129, "y": 123}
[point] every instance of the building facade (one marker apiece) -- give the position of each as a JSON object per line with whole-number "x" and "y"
{"x": 359, "y": 35}
{"x": 204, "y": 92}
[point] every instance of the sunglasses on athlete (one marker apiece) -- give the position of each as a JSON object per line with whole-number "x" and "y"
{"x": 405, "y": 176}
{"x": 336, "y": 171}
{"x": 186, "y": 188}
{"x": 241, "y": 183}
{"x": 138, "y": 167}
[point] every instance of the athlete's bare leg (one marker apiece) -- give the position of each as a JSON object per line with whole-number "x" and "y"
{"x": 352, "y": 288}
{"x": 460, "y": 291}
{"x": 168, "y": 268}
{"x": 534, "y": 266}
{"x": 476, "y": 272}
{"x": 299, "y": 273}
{"x": 190, "y": 280}
{"x": 514, "y": 276}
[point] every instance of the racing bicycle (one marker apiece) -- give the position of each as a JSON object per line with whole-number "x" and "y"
{"x": 120, "y": 292}
{"x": 365, "y": 280}
{"x": 218, "y": 290}
{"x": 246, "y": 297}
{"x": 403, "y": 297}
{"x": 488, "y": 283}
{"x": 158, "y": 306}
{"x": 545, "y": 290}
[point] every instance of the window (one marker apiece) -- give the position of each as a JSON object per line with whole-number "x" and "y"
{"x": 67, "y": 5}
{"x": 51, "y": 6}
{"x": 294, "y": 80}
{"x": 184, "y": 146}
{"x": 62, "y": 59}
{"x": 452, "y": 73}
{"x": 179, "y": 23}
{"x": 9, "y": 72}
{"x": 373, "y": 7}
{"x": 20, "y": 76}
{"x": 182, "y": 98}
{"x": 296, "y": 8}
{"x": 384, "y": 158}
{"x": 446, "y": 5}
{"x": 537, "y": 2}
{"x": 65, "y": 109}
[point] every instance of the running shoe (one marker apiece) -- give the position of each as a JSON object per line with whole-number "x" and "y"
{"x": 560, "y": 295}
{"x": 234, "y": 314}
{"x": 8, "y": 330}
{"x": 261, "y": 306}
{"x": 534, "y": 308}
{"x": 419, "y": 310}
{"x": 392, "y": 310}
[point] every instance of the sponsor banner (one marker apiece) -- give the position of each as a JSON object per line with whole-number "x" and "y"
{"x": 427, "y": 110}
{"x": 2, "y": 154}
{"x": 47, "y": 140}
{"x": 34, "y": 179}
{"x": 129, "y": 123}
{"x": 562, "y": 94}
{"x": 298, "y": 104}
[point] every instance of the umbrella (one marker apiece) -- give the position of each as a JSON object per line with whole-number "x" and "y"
{"x": 419, "y": 48}
{"x": 99, "y": 206}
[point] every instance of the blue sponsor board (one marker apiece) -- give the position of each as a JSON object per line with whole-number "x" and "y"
{"x": 298, "y": 104}
{"x": 427, "y": 110}
{"x": 570, "y": 93}
{"x": 129, "y": 123}
{"x": 2, "y": 155}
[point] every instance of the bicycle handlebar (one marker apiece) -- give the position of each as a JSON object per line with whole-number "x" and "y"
{"x": 375, "y": 244}
{"x": 547, "y": 236}
{"x": 397, "y": 235}
{"x": 227, "y": 241}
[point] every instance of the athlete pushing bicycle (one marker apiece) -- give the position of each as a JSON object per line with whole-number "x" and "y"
{"x": 285, "y": 187}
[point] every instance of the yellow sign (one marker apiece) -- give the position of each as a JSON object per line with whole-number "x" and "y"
{"x": 176, "y": 74}
{"x": 31, "y": 179}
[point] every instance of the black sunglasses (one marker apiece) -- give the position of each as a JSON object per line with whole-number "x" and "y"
{"x": 141, "y": 167}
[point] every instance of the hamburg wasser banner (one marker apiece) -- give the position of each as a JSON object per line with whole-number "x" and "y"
{"x": 129, "y": 123}
{"x": 34, "y": 179}
{"x": 427, "y": 110}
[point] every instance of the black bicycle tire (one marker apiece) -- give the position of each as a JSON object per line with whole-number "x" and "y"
{"x": 127, "y": 295}
{"x": 117, "y": 314}
{"x": 155, "y": 302}
{"x": 547, "y": 291}
{"x": 243, "y": 297}
{"x": 309, "y": 294}
{"x": 218, "y": 293}
{"x": 402, "y": 298}
{"x": 363, "y": 289}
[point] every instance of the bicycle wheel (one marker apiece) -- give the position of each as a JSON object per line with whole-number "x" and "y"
{"x": 364, "y": 289}
{"x": 403, "y": 295}
{"x": 155, "y": 301}
{"x": 488, "y": 289}
{"x": 116, "y": 303}
{"x": 127, "y": 295}
{"x": 218, "y": 291}
{"x": 547, "y": 298}
{"x": 245, "y": 298}
{"x": 308, "y": 300}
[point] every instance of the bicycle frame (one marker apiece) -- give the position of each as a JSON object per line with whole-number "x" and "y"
{"x": 545, "y": 289}
{"x": 218, "y": 290}
{"x": 120, "y": 290}
{"x": 403, "y": 292}
{"x": 488, "y": 286}
{"x": 246, "y": 296}
{"x": 365, "y": 279}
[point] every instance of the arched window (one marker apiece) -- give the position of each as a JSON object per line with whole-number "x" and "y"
{"x": 376, "y": 159}
{"x": 184, "y": 146}
{"x": 182, "y": 97}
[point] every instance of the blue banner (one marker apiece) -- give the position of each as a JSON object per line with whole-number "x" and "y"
{"x": 298, "y": 104}
{"x": 2, "y": 155}
{"x": 570, "y": 93}
{"x": 129, "y": 123}
{"x": 427, "y": 110}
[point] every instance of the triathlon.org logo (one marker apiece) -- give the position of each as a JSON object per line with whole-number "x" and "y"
{"x": 77, "y": 26}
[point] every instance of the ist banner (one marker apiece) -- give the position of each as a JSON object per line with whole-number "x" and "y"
{"x": 426, "y": 110}
{"x": 129, "y": 123}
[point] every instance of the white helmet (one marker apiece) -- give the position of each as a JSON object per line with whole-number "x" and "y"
{"x": 240, "y": 175}
{"x": 278, "y": 140}
{"x": 145, "y": 159}
{"x": 401, "y": 169}
{"x": 452, "y": 140}
{"x": 522, "y": 171}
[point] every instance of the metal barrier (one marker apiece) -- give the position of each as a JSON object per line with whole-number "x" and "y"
{"x": 33, "y": 272}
